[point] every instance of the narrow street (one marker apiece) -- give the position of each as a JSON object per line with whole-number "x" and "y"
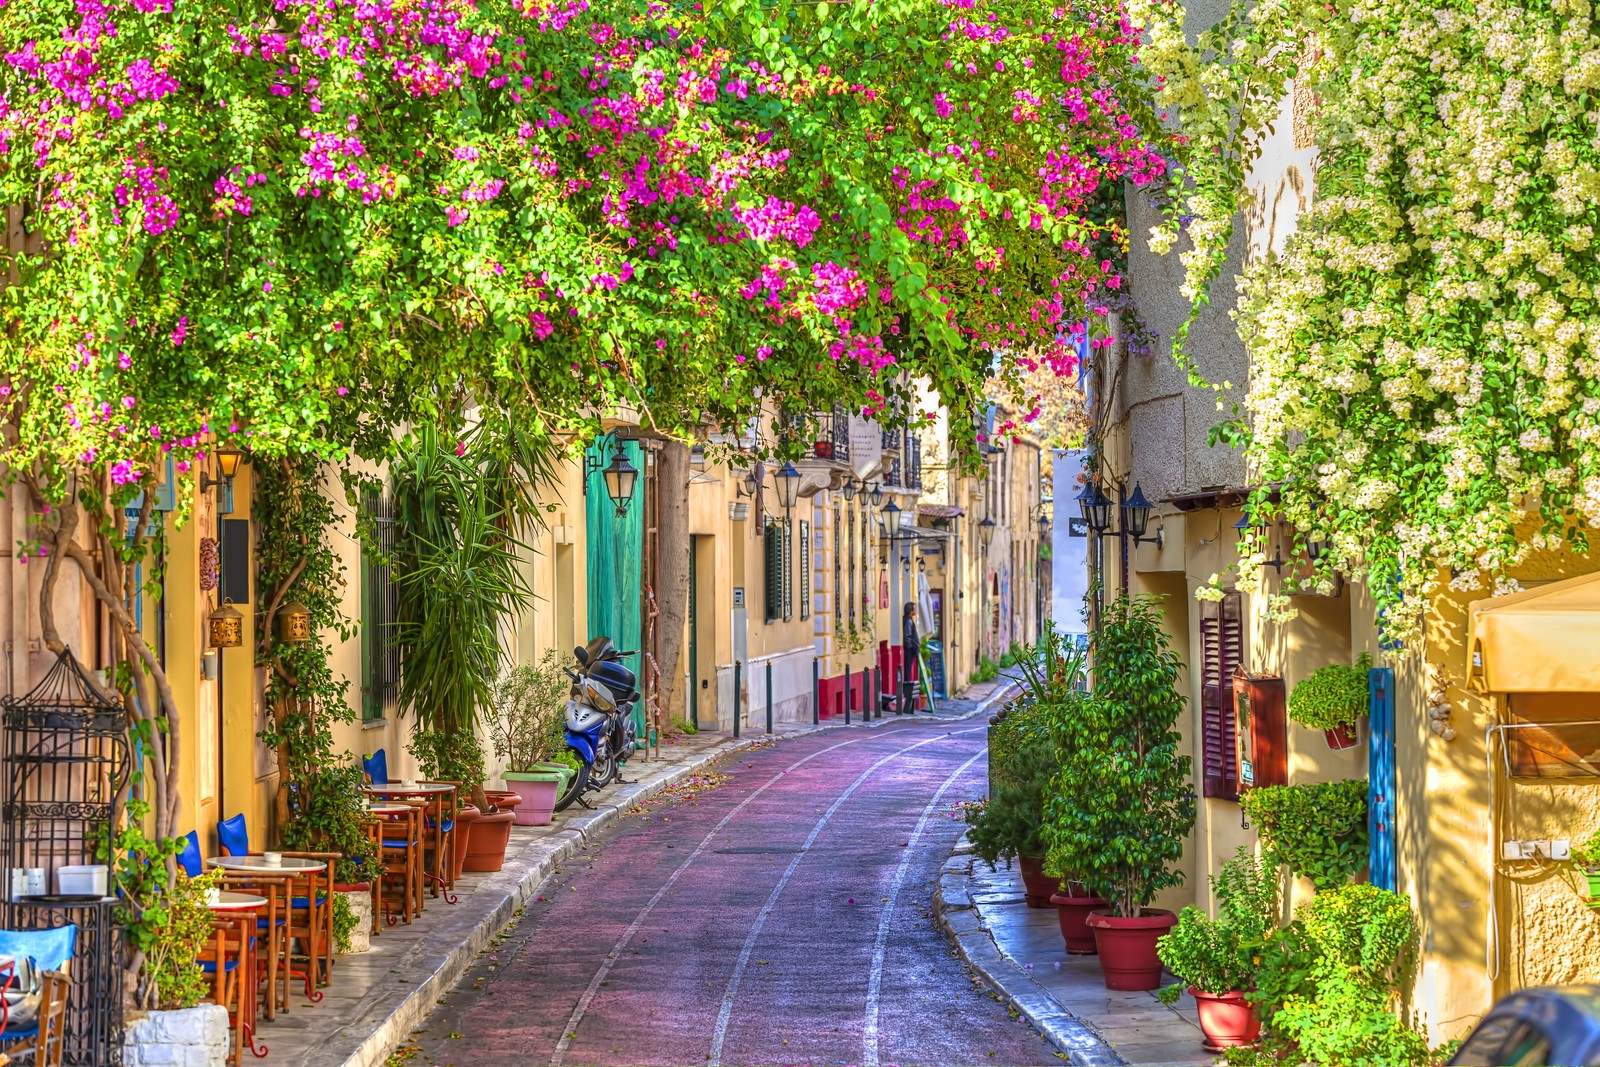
{"x": 780, "y": 917}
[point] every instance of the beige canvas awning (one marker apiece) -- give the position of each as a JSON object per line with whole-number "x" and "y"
{"x": 1543, "y": 640}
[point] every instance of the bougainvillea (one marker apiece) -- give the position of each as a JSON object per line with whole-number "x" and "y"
{"x": 1425, "y": 354}
{"x": 305, "y": 220}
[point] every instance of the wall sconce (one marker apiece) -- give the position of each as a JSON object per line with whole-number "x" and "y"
{"x": 619, "y": 475}
{"x": 294, "y": 623}
{"x": 225, "y": 627}
{"x": 228, "y": 460}
{"x": 986, "y": 533}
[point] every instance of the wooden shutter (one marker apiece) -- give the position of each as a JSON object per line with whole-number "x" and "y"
{"x": 1221, "y": 651}
{"x": 805, "y": 569}
{"x": 786, "y": 566}
{"x": 774, "y": 572}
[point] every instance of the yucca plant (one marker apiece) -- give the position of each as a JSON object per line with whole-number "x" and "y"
{"x": 455, "y": 564}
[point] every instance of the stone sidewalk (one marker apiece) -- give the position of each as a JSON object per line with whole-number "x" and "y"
{"x": 377, "y": 998}
{"x": 1018, "y": 949}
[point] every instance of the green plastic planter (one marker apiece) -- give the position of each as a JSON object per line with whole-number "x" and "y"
{"x": 1593, "y": 875}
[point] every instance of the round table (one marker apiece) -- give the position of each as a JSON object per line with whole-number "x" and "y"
{"x": 387, "y": 809}
{"x": 259, "y": 864}
{"x": 395, "y": 789}
{"x": 228, "y": 900}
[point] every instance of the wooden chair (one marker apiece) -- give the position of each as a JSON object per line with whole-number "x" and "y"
{"x": 311, "y": 918}
{"x": 440, "y": 823}
{"x": 272, "y": 933}
{"x": 227, "y": 961}
{"x": 47, "y": 1043}
{"x": 400, "y": 857}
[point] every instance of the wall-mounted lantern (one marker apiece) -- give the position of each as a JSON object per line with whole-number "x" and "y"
{"x": 225, "y": 627}
{"x": 294, "y": 623}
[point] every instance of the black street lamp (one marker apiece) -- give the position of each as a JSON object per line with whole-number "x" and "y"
{"x": 620, "y": 475}
{"x": 1276, "y": 562}
{"x": 787, "y": 479}
{"x": 849, "y": 490}
{"x": 986, "y": 533}
{"x": 891, "y": 519}
{"x": 1096, "y": 508}
{"x": 875, "y": 493}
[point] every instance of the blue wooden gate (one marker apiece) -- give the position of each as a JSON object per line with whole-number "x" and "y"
{"x": 1380, "y": 778}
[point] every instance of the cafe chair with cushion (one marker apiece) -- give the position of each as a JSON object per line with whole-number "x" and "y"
{"x": 377, "y": 767}
{"x": 234, "y": 836}
{"x": 35, "y": 1017}
{"x": 227, "y": 962}
{"x": 189, "y": 857}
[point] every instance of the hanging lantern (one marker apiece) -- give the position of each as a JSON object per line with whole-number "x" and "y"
{"x": 225, "y": 626}
{"x": 294, "y": 623}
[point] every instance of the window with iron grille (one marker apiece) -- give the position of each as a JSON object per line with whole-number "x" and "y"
{"x": 1221, "y": 653}
{"x": 380, "y": 659}
{"x": 850, "y": 559}
{"x": 805, "y": 569}
{"x": 838, "y": 569}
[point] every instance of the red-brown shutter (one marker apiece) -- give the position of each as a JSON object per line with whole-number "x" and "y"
{"x": 1221, "y": 651}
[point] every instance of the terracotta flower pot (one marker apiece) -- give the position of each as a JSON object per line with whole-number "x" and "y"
{"x": 1342, "y": 737}
{"x": 504, "y": 799}
{"x": 1127, "y": 947}
{"x": 1226, "y": 1019}
{"x": 537, "y": 791}
{"x": 1037, "y": 885}
{"x": 465, "y": 817}
{"x": 1072, "y": 910}
{"x": 487, "y": 838}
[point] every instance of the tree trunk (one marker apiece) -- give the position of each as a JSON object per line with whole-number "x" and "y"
{"x": 672, "y": 576}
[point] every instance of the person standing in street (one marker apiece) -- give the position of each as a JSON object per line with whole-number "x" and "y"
{"x": 910, "y": 650}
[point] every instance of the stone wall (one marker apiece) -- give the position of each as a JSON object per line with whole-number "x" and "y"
{"x": 191, "y": 1037}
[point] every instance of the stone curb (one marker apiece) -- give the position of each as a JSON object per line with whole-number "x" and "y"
{"x": 963, "y": 924}
{"x": 386, "y": 1021}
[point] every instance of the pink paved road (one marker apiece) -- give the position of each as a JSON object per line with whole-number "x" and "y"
{"x": 780, "y": 918}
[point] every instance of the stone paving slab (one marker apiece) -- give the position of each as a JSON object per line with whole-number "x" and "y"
{"x": 377, "y": 998}
{"x": 1018, "y": 950}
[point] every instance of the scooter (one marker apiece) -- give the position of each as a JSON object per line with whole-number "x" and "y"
{"x": 600, "y": 729}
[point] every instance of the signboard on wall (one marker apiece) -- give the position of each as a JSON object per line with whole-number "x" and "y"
{"x": 866, "y": 446}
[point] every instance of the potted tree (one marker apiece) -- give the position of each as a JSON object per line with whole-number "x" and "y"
{"x": 456, "y": 575}
{"x": 1214, "y": 958}
{"x": 527, "y": 726}
{"x": 1122, "y": 803}
{"x": 1333, "y": 699}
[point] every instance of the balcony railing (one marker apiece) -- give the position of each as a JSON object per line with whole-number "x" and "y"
{"x": 891, "y": 473}
{"x": 913, "y": 462}
{"x": 832, "y": 440}
{"x": 890, "y": 440}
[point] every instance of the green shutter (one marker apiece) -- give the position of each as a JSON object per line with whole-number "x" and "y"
{"x": 805, "y": 569}
{"x": 616, "y": 557}
{"x": 773, "y": 574}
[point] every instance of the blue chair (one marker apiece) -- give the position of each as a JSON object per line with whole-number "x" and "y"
{"x": 377, "y": 767}
{"x": 189, "y": 859}
{"x": 51, "y": 954}
{"x": 234, "y": 836}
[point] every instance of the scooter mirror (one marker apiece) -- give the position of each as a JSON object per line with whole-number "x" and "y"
{"x": 582, "y": 655}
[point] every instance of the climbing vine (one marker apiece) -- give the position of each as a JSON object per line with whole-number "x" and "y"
{"x": 318, "y": 801}
{"x": 1425, "y": 352}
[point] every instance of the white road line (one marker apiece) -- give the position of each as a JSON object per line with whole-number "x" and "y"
{"x": 615, "y": 954}
{"x": 869, "y": 1033}
{"x": 720, "y": 1034}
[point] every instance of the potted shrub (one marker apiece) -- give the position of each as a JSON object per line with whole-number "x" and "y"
{"x": 1215, "y": 958}
{"x": 527, "y": 724}
{"x": 1587, "y": 858}
{"x": 1317, "y": 830}
{"x": 1122, "y": 803}
{"x": 1333, "y": 700}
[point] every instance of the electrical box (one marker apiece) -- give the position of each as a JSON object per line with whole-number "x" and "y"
{"x": 1260, "y": 729}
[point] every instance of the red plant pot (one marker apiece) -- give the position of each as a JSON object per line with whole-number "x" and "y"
{"x": 1037, "y": 885}
{"x": 1227, "y": 1019}
{"x": 1342, "y": 737}
{"x": 504, "y": 799}
{"x": 466, "y": 815}
{"x": 1073, "y": 913}
{"x": 1127, "y": 947}
{"x": 487, "y": 838}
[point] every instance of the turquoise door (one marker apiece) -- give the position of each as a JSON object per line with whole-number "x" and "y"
{"x": 616, "y": 559}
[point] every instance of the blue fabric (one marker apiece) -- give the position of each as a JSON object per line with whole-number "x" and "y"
{"x": 377, "y": 767}
{"x": 234, "y": 836}
{"x": 49, "y": 949}
{"x": 399, "y": 844}
{"x": 189, "y": 859}
{"x": 300, "y": 902}
{"x": 210, "y": 966}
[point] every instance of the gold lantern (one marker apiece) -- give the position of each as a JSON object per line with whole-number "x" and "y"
{"x": 226, "y": 626}
{"x": 294, "y": 623}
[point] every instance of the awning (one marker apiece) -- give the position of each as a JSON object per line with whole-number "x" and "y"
{"x": 938, "y": 511}
{"x": 907, "y": 530}
{"x": 1543, "y": 640}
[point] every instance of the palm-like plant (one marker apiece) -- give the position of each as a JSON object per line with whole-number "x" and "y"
{"x": 455, "y": 562}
